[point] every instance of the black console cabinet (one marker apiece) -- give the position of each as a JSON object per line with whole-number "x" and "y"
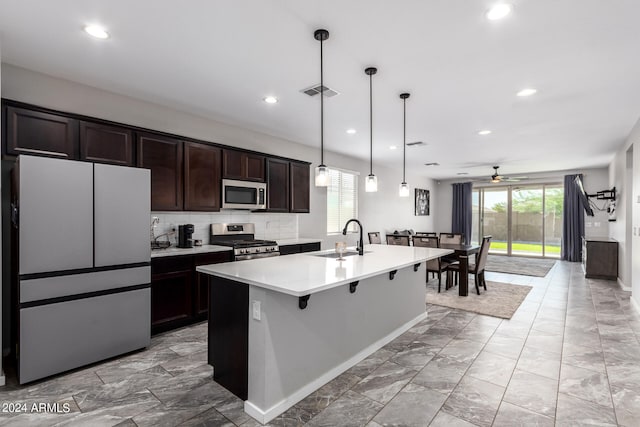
{"x": 600, "y": 258}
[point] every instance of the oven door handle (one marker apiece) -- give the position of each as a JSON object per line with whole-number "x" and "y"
{"x": 255, "y": 256}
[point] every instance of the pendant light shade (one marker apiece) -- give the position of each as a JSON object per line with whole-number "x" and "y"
{"x": 371, "y": 182}
{"x": 322, "y": 172}
{"x": 404, "y": 187}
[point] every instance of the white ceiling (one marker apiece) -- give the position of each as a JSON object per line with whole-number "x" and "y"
{"x": 219, "y": 58}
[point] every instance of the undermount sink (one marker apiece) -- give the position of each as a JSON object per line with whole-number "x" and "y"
{"x": 335, "y": 255}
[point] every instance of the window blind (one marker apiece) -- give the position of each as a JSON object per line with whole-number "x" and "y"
{"x": 342, "y": 200}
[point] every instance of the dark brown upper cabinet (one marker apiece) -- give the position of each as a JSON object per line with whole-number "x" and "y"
{"x": 299, "y": 187}
{"x": 277, "y": 185}
{"x": 163, "y": 155}
{"x": 103, "y": 143}
{"x": 40, "y": 134}
{"x": 201, "y": 177}
{"x": 242, "y": 165}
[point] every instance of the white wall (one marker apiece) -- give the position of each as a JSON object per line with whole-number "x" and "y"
{"x": 381, "y": 211}
{"x": 624, "y": 174}
{"x": 594, "y": 180}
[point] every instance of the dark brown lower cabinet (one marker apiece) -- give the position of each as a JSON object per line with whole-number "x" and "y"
{"x": 180, "y": 295}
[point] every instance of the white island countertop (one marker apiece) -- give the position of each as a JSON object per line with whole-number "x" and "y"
{"x": 308, "y": 273}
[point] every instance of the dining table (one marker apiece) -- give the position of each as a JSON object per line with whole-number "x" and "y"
{"x": 462, "y": 253}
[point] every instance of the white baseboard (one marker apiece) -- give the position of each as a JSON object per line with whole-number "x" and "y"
{"x": 634, "y": 304}
{"x": 623, "y": 286}
{"x": 264, "y": 416}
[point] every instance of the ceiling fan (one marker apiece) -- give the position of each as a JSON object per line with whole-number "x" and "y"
{"x": 497, "y": 178}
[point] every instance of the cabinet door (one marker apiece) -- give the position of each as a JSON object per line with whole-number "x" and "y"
{"x": 243, "y": 166}
{"x": 201, "y": 297}
{"x": 201, "y": 177}
{"x": 171, "y": 293}
{"x": 106, "y": 144}
{"x": 299, "y": 187}
{"x": 40, "y": 134}
{"x": 255, "y": 167}
{"x": 232, "y": 164}
{"x": 277, "y": 185}
{"x": 163, "y": 156}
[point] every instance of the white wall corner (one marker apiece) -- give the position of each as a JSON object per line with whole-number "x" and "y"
{"x": 635, "y": 304}
{"x": 623, "y": 286}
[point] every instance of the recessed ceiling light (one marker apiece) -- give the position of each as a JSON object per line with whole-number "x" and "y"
{"x": 484, "y": 132}
{"x": 393, "y": 147}
{"x": 351, "y": 131}
{"x": 526, "y": 92}
{"x": 96, "y": 31}
{"x": 498, "y": 11}
{"x": 270, "y": 99}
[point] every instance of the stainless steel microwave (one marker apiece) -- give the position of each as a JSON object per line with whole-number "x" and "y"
{"x": 243, "y": 194}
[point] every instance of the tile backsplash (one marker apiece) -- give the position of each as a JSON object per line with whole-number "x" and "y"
{"x": 271, "y": 226}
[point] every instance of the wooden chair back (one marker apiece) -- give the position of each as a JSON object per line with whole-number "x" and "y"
{"x": 397, "y": 240}
{"x": 426, "y": 241}
{"x": 451, "y": 238}
{"x": 425, "y": 233}
{"x": 374, "y": 237}
{"x": 481, "y": 261}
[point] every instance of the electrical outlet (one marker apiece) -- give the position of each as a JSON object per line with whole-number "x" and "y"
{"x": 256, "y": 310}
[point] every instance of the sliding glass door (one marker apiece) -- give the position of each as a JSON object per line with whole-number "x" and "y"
{"x": 523, "y": 220}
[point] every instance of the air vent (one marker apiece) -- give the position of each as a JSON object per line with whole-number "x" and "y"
{"x": 415, "y": 143}
{"x": 432, "y": 164}
{"x": 316, "y": 89}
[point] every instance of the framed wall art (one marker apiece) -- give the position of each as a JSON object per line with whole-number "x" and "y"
{"x": 422, "y": 202}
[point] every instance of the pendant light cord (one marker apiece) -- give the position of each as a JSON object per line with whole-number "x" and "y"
{"x": 371, "y": 124}
{"x": 321, "y": 106}
{"x": 404, "y": 140}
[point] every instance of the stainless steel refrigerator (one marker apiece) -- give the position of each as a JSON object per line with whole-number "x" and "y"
{"x": 84, "y": 263}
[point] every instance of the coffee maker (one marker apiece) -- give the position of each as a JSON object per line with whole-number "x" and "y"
{"x": 185, "y": 236}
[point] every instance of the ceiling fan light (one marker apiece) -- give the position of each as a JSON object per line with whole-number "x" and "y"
{"x": 322, "y": 176}
{"x": 371, "y": 184}
{"x": 404, "y": 190}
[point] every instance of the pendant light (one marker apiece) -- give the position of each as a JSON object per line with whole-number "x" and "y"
{"x": 322, "y": 172}
{"x": 371, "y": 182}
{"x": 404, "y": 187}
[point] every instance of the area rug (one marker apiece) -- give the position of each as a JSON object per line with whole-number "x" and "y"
{"x": 499, "y": 300}
{"x": 538, "y": 267}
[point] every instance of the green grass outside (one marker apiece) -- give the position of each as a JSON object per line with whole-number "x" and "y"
{"x": 525, "y": 248}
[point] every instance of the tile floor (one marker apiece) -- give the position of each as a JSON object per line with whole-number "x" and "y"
{"x": 569, "y": 356}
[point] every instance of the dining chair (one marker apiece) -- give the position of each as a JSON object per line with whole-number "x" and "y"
{"x": 452, "y": 238}
{"x": 436, "y": 265}
{"x": 374, "y": 237}
{"x": 477, "y": 269}
{"x": 397, "y": 240}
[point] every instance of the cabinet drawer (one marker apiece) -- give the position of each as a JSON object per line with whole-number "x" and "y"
{"x": 171, "y": 264}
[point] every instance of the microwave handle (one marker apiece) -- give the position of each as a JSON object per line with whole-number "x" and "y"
{"x": 261, "y": 196}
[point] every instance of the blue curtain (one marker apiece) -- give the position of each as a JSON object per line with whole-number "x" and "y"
{"x": 572, "y": 221}
{"x": 461, "y": 213}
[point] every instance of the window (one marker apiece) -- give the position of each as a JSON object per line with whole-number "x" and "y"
{"x": 342, "y": 200}
{"x": 523, "y": 219}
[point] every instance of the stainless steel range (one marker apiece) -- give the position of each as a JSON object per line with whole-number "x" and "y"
{"x": 241, "y": 237}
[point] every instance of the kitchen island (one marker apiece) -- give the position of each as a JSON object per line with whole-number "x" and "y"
{"x": 281, "y": 327}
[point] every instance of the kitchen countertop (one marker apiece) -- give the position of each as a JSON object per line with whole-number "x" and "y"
{"x": 308, "y": 273}
{"x": 176, "y": 251}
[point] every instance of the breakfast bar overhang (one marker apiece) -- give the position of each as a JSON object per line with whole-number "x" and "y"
{"x": 281, "y": 327}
